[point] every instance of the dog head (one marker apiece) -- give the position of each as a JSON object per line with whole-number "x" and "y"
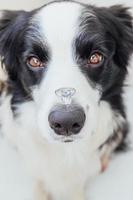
{"x": 67, "y": 63}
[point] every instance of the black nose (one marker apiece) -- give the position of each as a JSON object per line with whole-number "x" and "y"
{"x": 67, "y": 120}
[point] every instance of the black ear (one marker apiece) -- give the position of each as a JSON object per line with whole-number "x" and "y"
{"x": 11, "y": 27}
{"x": 124, "y": 23}
{"x": 10, "y": 23}
{"x": 117, "y": 21}
{"x": 6, "y": 17}
{"x": 122, "y": 13}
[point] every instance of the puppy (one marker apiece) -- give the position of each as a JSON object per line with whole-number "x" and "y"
{"x": 64, "y": 112}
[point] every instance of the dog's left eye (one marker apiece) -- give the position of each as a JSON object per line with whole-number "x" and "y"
{"x": 95, "y": 59}
{"x": 35, "y": 62}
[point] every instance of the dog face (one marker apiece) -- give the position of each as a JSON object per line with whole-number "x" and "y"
{"x": 67, "y": 48}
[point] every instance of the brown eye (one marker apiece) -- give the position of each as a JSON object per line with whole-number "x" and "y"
{"x": 95, "y": 59}
{"x": 35, "y": 62}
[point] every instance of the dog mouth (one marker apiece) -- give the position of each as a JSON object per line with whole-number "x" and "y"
{"x": 66, "y": 139}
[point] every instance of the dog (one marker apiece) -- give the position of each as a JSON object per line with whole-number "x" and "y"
{"x": 61, "y": 103}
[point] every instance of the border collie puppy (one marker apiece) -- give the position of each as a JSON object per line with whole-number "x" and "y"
{"x": 63, "y": 107}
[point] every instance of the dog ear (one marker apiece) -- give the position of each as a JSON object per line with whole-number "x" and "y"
{"x": 9, "y": 26}
{"x": 6, "y": 17}
{"x": 123, "y": 14}
{"x": 123, "y": 23}
{"x": 117, "y": 21}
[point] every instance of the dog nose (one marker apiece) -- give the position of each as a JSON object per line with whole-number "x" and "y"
{"x": 67, "y": 119}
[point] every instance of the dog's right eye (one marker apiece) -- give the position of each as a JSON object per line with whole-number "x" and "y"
{"x": 95, "y": 59}
{"x": 35, "y": 62}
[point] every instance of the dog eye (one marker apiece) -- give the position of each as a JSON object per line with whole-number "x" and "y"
{"x": 35, "y": 62}
{"x": 95, "y": 59}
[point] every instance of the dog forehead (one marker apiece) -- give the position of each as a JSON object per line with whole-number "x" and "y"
{"x": 58, "y": 21}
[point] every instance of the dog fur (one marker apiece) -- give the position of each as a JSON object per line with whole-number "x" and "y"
{"x": 63, "y": 35}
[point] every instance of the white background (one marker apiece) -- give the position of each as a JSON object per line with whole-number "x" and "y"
{"x": 116, "y": 183}
{"x": 29, "y": 4}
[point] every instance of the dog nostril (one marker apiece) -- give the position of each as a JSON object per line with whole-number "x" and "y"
{"x": 57, "y": 125}
{"x": 76, "y": 127}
